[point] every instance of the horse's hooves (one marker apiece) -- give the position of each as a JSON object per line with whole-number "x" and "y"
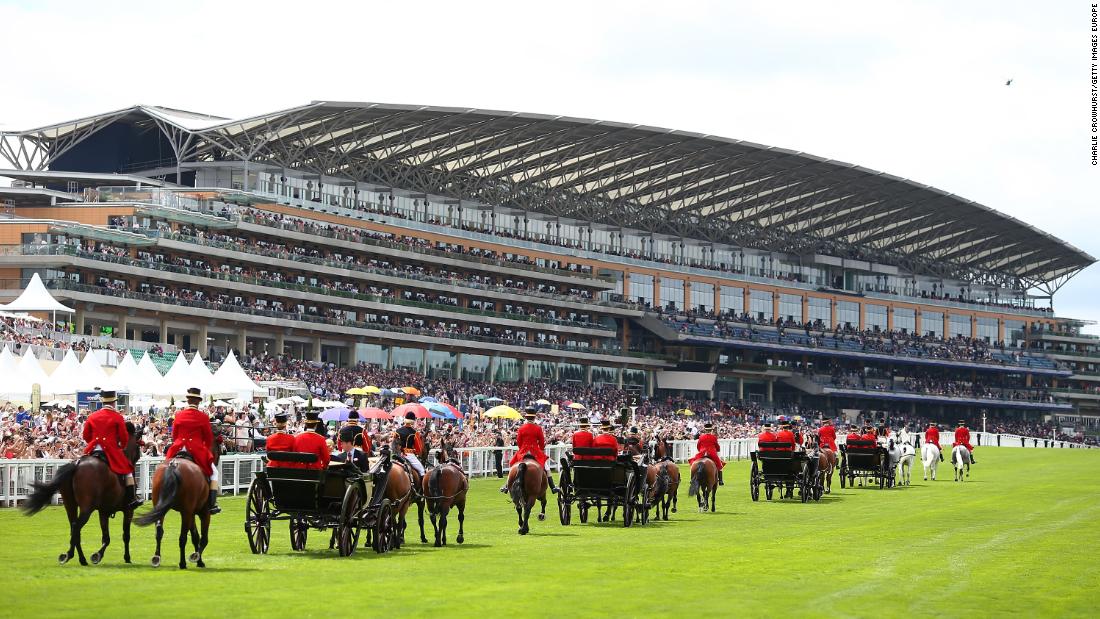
{"x": 183, "y": 565}
{"x": 63, "y": 558}
{"x": 84, "y": 562}
{"x": 439, "y": 544}
{"x": 674, "y": 510}
{"x": 460, "y": 539}
{"x": 542, "y": 517}
{"x": 200, "y": 563}
{"x": 126, "y": 559}
{"x": 155, "y": 561}
{"x": 194, "y": 557}
{"x": 96, "y": 558}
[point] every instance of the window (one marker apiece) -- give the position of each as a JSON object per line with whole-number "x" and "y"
{"x": 760, "y": 305}
{"x": 702, "y": 296}
{"x": 874, "y": 317}
{"x": 905, "y": 320}
{"x": 732, "y": 299}
{"x": 847, "y": 314}
{"x": 672, "y": 292}
{"x": 987, "y": 329}
{"x": 790, "y": 307}
{"x": 932, "y": 323}
{"x": 641, "y": 288}
{"x": 1014, "y": 331}
{"x": 959, "y": 325}
{"x": 819, "y": 309}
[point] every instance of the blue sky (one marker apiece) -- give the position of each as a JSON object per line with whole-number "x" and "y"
{"x": 915, "y": 89}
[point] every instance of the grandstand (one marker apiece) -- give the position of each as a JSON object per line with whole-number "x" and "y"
{"x": 506, "y": 247}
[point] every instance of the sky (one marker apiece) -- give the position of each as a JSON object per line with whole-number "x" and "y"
{"x": 915, "y": 89}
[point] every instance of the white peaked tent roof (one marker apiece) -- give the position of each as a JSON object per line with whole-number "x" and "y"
{"x": 231, "y": 377}
{"x": 125, "y": 374}
{"x": 146, "y": 378}
{"x": 11, "y": 382}
{"x": 65, "y": 376}
{"x": 201, "y": 375}
{"x": 30, "y": 371}
{"x": 92, "y": 373}
{"x": 35, "y": 299}
{"x": 179, "y": 377}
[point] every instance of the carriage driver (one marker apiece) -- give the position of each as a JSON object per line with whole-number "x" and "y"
{"x": 707, "y": 447}
{"x": 408, "y": 441}
{"x": 766, "y": 436}
{"x": 582, "y": 437}
{"x": 105, "y": 430}
{"x": 280, "y": 440}
{"x": 853, "y": 433}
{"x": 530, "y": 439}
{"x": 193, "y": 434}
{"x": 962, "y": 437}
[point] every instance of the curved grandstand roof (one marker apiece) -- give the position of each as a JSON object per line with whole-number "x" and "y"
{"x": 664, "y": 181}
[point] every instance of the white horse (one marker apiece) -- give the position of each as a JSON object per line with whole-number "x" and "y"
{"x": 893, "y": 454}
{"x": 960, "y": 457}
{"x": 905, "y": 466}
{"x": 930, "y": 458}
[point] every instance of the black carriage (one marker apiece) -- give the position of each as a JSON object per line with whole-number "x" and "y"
{"x": 340, "y": 498}
{"x": 776, "y": 466}
{"x": 865, "y": 460}
{"x": 603, "y": 480}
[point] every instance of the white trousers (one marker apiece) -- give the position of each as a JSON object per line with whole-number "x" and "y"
{"x": 215, "y": 476}
{"x": 415, "y": 462}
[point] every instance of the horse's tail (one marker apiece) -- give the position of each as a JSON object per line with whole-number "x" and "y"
{"x": 696, "y": 479}
{"x": 169, "y": 488}
{"x": 663, "y": 482}
{"x": 518, "y": 489}
{"x": 43, "y": 492}
{"x": 435, "y": 501}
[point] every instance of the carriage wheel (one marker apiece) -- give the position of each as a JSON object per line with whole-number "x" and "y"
{"x": 257, "y": 523}
{"x": 383, "y": 528}
{"x": 299, "y": 531}
{"x": 347, "y": 532}
{"x": 628, "y": 501}
{"x": 565, "y": 507}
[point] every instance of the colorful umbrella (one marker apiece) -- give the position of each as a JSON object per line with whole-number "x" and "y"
{"x": 443, "y": 411}
{"x": 356, "y": 391}
{"x": 686, "y": 412}
{"x": 494, "y": 401}
{"x": 428, "y": 400}
{"x": 503, "y": 412}
{"x": 335, "y": 414}
{"x": 577, "y": 406}
{"x": 373, "y": 413}
{"x": 542, "y": 402}
{"x": 371, "y": 390}
{"x": 413, "y": 391}
{"x": 417, "y": 410}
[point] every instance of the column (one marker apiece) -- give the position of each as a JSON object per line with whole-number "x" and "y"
{"x": 79, "y": 321}
{"x": 973, "y": 325}
{"x": 389, "y": 357}
{"x": 740, "y": 388}
{"x": 1000, "y": 329}
{"x": 202, "y": 346}
{"x": 650, "y": 382}
{"x": 889, "y": 317}
{"x": 280, "y": 342}
{"x": 775, "y": 305}
{"x": 832, "y": 313}
{"x": 626, "y": 286}
{"x": 588, "y": 375}
{"x": 805, "y": 308}
{"x": 771, "y": 391}
{"x": 492, "y": 370}
{"x": 523, "y": 368}
{"x": 746, "y": 300}
{"x": 686, "y": 301}
{"x": 621, "y": 377}
{"x": 946, "y": 324}
{"x": 458, "y": 366}
{"x": 718, "y": 309}
{"x": 123, "y": 323}
{"x": 242, "y": 341}
{"x": 424, "y": 362}
{"x": 657, "y": 300}
{"x": 316, "y": 356}
{"x": 353, "y": 354}
{"x": 163, "y": 331}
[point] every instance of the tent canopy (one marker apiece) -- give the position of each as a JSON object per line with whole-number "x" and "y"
{"x": 36, "y": 299}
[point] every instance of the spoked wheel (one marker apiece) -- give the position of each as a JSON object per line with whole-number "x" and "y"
{"x": 628, "y": 501}
{"x": 347, "y": 535}
{"x": 754, "y": 482}
{"x": 565, "y": 507}
{"x": 257, "y": 522}
{"x": 299, "y": 531}
{"x": 383, "y": 528}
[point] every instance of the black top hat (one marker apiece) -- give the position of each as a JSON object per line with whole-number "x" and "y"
{"x": 583, "y": 422}
{"x": 605, "y": 424}
{"x": 708, "y": 426}
{"x": 410, "y": 418}
{"x": 108, "y": 397}
{"x": 353, "y": 416}
{"x": 194, "y": 393}
{"x": 313, "y": 416}
{"x": 962, "y": 423}
{"x": 530, "y": 412}
{"x": 281, "y": 416}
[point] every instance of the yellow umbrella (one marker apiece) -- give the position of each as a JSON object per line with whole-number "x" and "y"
{"x": 356, "y": 391}
{"x": 577, "y": 406}
{"x": 371, "y": 390}
{"x": 503, "y": 412}
{"x": 686, "y": 412}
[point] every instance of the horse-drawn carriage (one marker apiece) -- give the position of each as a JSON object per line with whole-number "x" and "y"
{"x": 340, "y": 498}
{"x": 606, "y": 481}
{"x": 865, "y": 460}
{"x": 778, "y": 467}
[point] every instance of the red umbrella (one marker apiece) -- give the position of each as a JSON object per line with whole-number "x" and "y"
{"x": 454, "y": 411}
{"x": 373, "y": 413}
{"x": 417, "y": 410}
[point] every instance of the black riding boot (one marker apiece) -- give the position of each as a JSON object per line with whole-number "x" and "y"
{"x": 213, "y": 503}
{"x": 941, "y": 456}
{"x": 132, "y": 502}
{"x": 550, "y": 480}
{"x": 720, "y": 482}
{"x": 972, "y": 460}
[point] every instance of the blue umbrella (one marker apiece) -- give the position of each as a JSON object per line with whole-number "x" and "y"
{"x": 428, "y": 400}
{"x": 494, "y": 401}
{"x": 439, "y": 411}
{"x": 340, "y": 413}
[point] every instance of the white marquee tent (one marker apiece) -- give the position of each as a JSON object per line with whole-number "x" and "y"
{"x": 30, "y": 372}
{"x": 35, "y": 298}
{"x": 11, "y": 382}
{"x": 92, "y": 373}
{"x": 66, "y": 377}
{"x": 125, "y": 375}
{"x": 231, "y": 378}
{"x": 147, "y": 380}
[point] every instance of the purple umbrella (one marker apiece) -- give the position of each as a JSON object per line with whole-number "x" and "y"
{"x": 340, "y": 413}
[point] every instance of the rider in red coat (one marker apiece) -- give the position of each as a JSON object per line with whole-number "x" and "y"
{"x": 606, "y": 440}
{"x": 582, "y": 438}
{"x": 707, "y": 447}
{"x": 785, "y": 435}
{"x": 280, "y": 440}
{"x": 932, "y": 437}
{"x": 191, "y": 432}
{"x": 530, "y": 439}
{"x": 312, "y": 442}
{"x": 105, "y": 430}
{"x": 826, "y": 435}
{"x": 962, "y": 437}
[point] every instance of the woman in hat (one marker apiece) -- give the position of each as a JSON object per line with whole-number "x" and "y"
{"x": 192, "y": 433}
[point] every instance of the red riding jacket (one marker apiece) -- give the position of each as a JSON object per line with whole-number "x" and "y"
{"x": 962, "y": 437}
{"x": 106, "y": 428}
{"x": 582, "y": 438}
{"x": 708, "y": 448}
{"x": 191, "y": 429}
{"x": 530, "y": 439}
{"x": 313, "y": 443}
{"x": 280, "y": 441}
{"x": 932, "y": 435}
{"x": 826, "y": 436}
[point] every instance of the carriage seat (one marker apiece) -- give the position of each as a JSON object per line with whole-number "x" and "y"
{"x": 862, "y": 445}
{"x": 292, "y": 456}
{"x": 774, "y": 451}
{"x": 606, "y": 456}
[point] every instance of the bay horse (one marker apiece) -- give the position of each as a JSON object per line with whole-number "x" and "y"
{"x": 704, "y": 483}
{"x": 179, "y": 484}
{"x": 402, "y": 482}
{"x": 663, "y": 479}
{"x": 86, "y": 485}
{"x": 445, "y": 486}
{"x": 526, "y": 483}
{"x": 826, "y": 461}
{"x": 662, "y": 449}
